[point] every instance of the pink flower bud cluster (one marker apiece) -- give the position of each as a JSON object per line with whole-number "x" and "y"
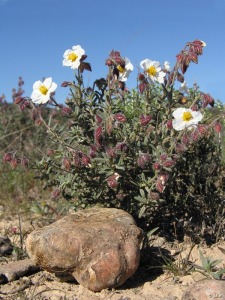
{"x": 14, "y": 161}
{"x": 79, "y": 159}
{"x": 112, "y": 180}
{"x": 190, "y": 54}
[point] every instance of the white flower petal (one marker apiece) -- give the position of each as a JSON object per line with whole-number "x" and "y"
{"x": 66, "y": 62}
{"x": 167, "y": 65}
{"x": 160, "y": 79}
{"x": 178, "y": 112}
{"x": 66, "y": 53}
{"x": 197, "y": 115}
{"x": 48, "y": 82}
{"x": 78, "y": 50}
{"x": 178, "y": 124}
{"x": 37, "y": 84}
{"x": 75, "y": 65}
{"x": 145, "y": 63}
{"x": 53, "y": 87}
{"x": 156, "y": 64}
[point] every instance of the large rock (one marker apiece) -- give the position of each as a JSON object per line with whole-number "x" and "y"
{"x": 205, "y": 290}
{"x": 99, "y": 247}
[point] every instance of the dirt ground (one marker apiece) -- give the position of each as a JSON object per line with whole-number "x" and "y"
{"x": 151, "y": 280}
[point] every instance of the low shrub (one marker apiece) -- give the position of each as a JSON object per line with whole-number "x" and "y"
{"x": 154, "y": 151}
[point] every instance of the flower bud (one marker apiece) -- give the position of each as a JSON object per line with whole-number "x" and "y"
{"x": 93, "y": 150}
{"x": 112, "y": 183}
{"x": 98, "y": 135}
{"x": 98, "y": 119}
{"x": 25, "y": 162}
{"x": 85, "y": 160}
{"x": 169, "y": 124}
{"x": 180, "y": 77}
{"x": 112, "y": 180}
{"x": 217, "y": 127}
{"x": 66, "y": 163}
{"x": 145, "y": 119}
{"x": 50, "y": 152}
{"x": 111, "y": 152}
{"x": 185, "y": 139}
{"x": 141, "y": 77}
{"x": 142, "y": 87}
{"x": 120, "y": 117}
{"x": 193, "y": 57}
{"x": 143, "y": 159}
{"x": 159, "y": 186}
{"x": 123, "y": 147}
{"x": 163, "y": 177}
{"x": 7, "y": 157}
{"x": 207, "y": 99}
{"x": 156, "y": 166}
{"x": 14, "y": 162}
{"x": 65, "y": 83}
{"x": 163, "y": 156}
{"x": 18, "y": 100}
{"x": 66, "y": 110}
{"x": 202, "y": 129}
{"x": 168, "y": 163}
{"x": 23, "y": 105}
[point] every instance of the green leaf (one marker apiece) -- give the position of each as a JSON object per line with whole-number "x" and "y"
{"x": 142, "y": 211}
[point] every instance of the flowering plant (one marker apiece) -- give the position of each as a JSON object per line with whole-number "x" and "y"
{"x": 130, "y": 149}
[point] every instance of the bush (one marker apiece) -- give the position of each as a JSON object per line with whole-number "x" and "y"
{"x": 154, "y": 151}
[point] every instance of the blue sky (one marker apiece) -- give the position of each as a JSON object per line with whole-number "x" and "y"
{"x": 35, "y": 33}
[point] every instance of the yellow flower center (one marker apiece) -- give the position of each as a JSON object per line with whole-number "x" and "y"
{"x": 43, "y": 89}
{"x": 151, "y": 71}
{"x": 187, "y": 116}
{"x": 72, "y": 56}
{"x": 121, "y": 70}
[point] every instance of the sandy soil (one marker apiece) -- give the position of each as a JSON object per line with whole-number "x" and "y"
{"x": 151, "y": 281}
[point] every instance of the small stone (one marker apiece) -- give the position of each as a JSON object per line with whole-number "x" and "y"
{"x": 205, "y": 290}
{"x": 6, "y": 247}
{"x": 99, "y": 247}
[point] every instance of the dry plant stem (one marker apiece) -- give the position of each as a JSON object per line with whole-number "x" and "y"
{"x": 49, "y": 130}
{"x": 15, "y": 132}
{"x": 21, "y": 235}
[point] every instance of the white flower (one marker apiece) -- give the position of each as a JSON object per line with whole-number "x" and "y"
{"x": 125, "y": 72}
{"x": 72, "y": 57}
{"x": 184, "y": 87}
{"x": 185, "y": 118}
{"x": 42, "y": 90}
{"x": 167, "y": 66}
{"x": 153, "y": 70}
